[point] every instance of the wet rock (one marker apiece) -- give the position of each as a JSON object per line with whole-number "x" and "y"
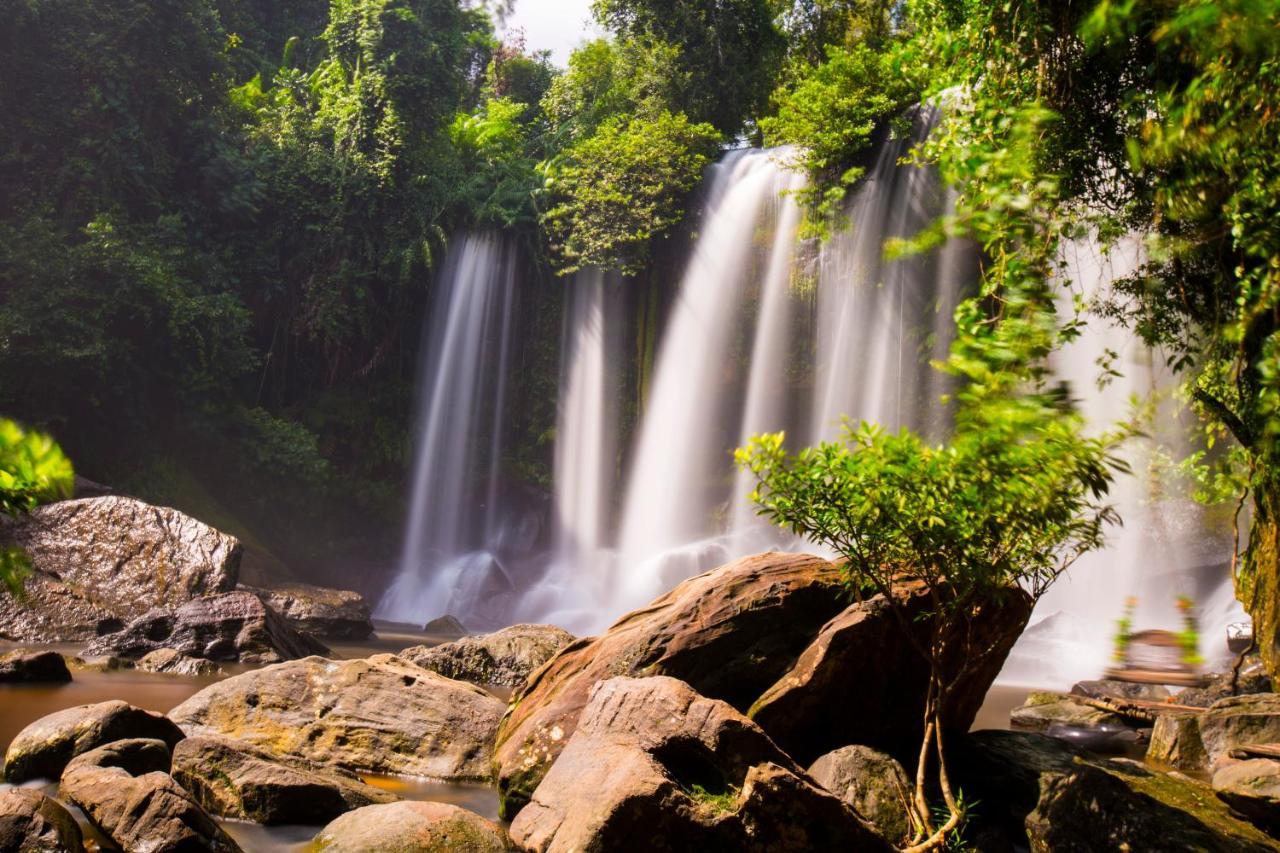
{"x": 148, "y": 812}
{"x": 380, "y": 714}
{"x": 506, "y": 658}
{"x": 100, "y": 562}
{"x": 861, "y": 663}
{"x": 1252, "y": 680}
{"x": 412, "y": 827}
{"x": 730, "y": 633}
{"x": 234, "y": 779}
{"x": 1175, "y": 741}
{"x": 337, "y": 614}
{"x": 874, "y": 784}
{"x": 1239, "y": 721}
{"x": 103, "y": 663}
{"x": 445, "y": 626}
{"x": 232, "y": 626}
{"x": 1109, "y": 688}
{"x": 25, "y": 665}
{"x": 1106, "y": 738}
{"x": 174, "y": 662}
{"x": 650, "y": 755}
{"x": 43, "y": 748}
{"x": 30, "y": 822}
{"x": 1043, "y": 708}
{"x": 133, "y": 755}
{"x": 1252, "y": 788}
{"x": 1038, "y": 792}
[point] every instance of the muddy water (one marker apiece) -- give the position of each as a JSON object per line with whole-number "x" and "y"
{"x": 22, "y": 704}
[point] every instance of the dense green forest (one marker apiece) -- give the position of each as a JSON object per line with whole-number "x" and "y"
{"x": 221, "y": 218}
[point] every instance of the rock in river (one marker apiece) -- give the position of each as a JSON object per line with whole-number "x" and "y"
{"x": 31, "y": 822}
{"x": 24, "y": 665}
{"x": 173, "y": 662}
{"x": 43, "y": 748}
{"x": 505, "y": 658}
{"x": 237, "y": 780}
{"x": 100, "y": 562}
{"x": 232, "y": 626}
{"x": 412, "y": 827}
{"x": 729, "y": 633}
{"x": 380, "y": 714}
{"x": 337, "y": 614}
{"x": 651, "y": 759}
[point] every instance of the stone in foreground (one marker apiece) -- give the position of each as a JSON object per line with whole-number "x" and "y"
{"x": 31, "y": 822}
{"x": 651, "y": 759}
{"x": 505, "y": 658}
{"x": 232, "y": 626}
{"x": 337, "y": 614}
{"x": 380, "y": 714}
{"x": 100, "y": 562}
{"x": 149, "y": 812}
{"x": 43, "y": 748}
{"x": 873, "y": 784}
{"x": 729, "y": 633}
{"x": 412, "y": 827}
{"x": 1252, "y": 788}
{"x": 237, "y": 780}
{"x": 28, "y": 666}
{"x": 134, "y": 755}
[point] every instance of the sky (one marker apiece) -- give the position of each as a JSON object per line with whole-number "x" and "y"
{"x": 555, "y": 25}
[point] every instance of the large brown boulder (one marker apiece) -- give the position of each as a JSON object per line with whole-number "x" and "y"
{"x": 26, "y": 665}
{"x": 100, "y": 562}
{"x": 1035, "y": 791}
{"x": 43, "y": 748}
{"x": 337, "y": 614}
{"x": 412, "y": 827}
{"x": 381, "y": 714}
{"x": 30, "y": 822}
{"x": 148, "y": 812}
{"x": 505, "y": 658}
{"x": 231, "y": 626}
{"x": 729, "y": 633}
{"x": 652, "y": 759}
{"x": 234, "y": 779}
{"x": 862, "y": 663}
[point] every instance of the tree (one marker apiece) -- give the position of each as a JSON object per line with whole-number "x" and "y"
{"x": 33, "y": 471}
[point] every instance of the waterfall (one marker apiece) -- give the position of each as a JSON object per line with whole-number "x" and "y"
{"x": 448, "y": 560}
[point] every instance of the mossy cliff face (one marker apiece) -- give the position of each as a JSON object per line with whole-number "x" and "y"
{"x": 1258, "y": 586}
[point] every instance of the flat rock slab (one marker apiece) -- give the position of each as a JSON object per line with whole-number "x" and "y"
{"x": 504, "y": 658}
{"x": 29, "y": 666}
{"x": 1252, "y": 788}
{"x": 412, "y": 827}
{"x": 231, "y": 626}
{"x": 234, "y": 779}
{"x": 1239, "y": 721}
{"x": 42, "y": 749}
{"x": 1043, "y": 708}
{"x": 380, "y": 714}
{"x": 31, "y": 822}
{"x": 338, "y": 614}
{"x": 652, "y": 759}
{"x": 100, "y": 562}
{"x": 730, "y": 633}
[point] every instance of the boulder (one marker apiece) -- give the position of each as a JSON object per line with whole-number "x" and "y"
{"x": 1035, "y": 791}
{"x": 651, "y": 758}
{"x": 1109, "y": 688}
{"x": 27, "y": 665}
{"x": 1252, "y": 788}
{"x": 729, "y": 633}
{"x": 148, "y": 812}
{"x": 237, "y": 780}
{"x": 174, "y": 662}
{"x": 874, "y": 784}
{"x": 412, "y": 827}
{"x": 31, "y": 822}
{"x": 381, "y": 714}
{"x": 231, "y": 626}
{"x": 337, "y": 614}
{"x": 860, "y": 663}
{"x": 134, "y": 755}
{"x": 1239, "y": 721}
{"x": 1175, "y": 741}
{"x": 505, "y": 658}
{"x": 100, "y": 562}
{"x": 43, "y": 748}
{"x": 445, "y": 626}
{"x": 1042, "y": 709}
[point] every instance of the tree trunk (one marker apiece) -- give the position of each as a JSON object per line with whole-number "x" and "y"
{"x": 1258, "y": 584}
